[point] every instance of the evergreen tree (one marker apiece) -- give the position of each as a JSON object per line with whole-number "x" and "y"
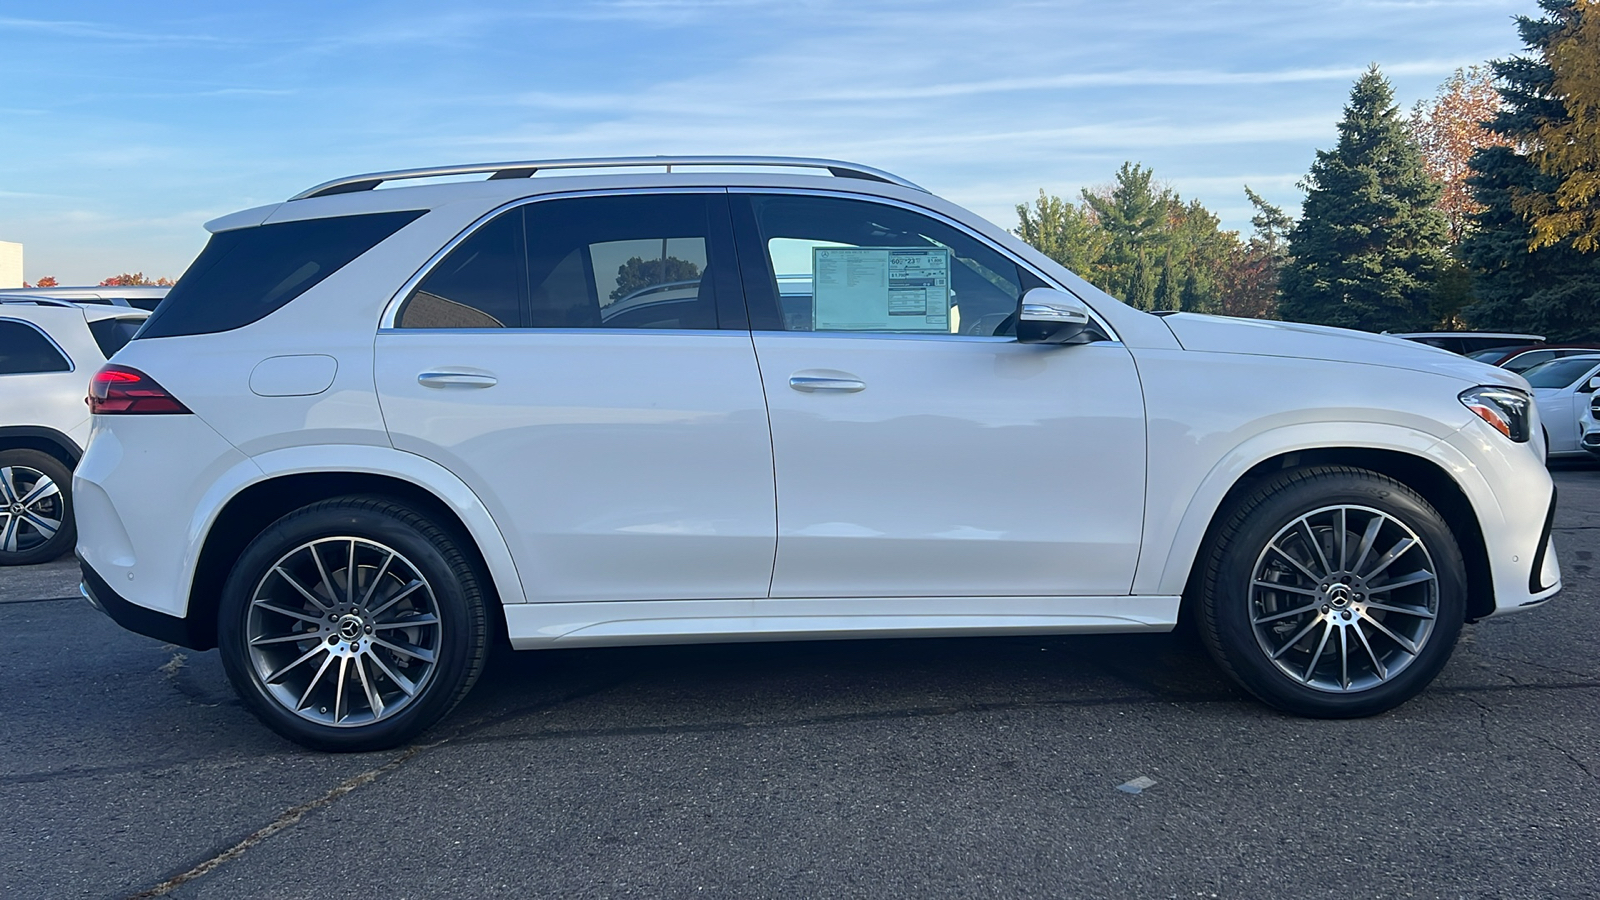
{"x": 1370, "y": 243}
{"x": 1131, "y": 216}
{"x": 1552, "y": 290}
{"x": 1063, "y": 231}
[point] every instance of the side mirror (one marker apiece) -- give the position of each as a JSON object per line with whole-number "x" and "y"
{"x": 1049, "y": 316}
{"x": 1594, "y": 383}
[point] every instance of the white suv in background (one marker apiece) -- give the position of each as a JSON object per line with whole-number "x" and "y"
{"x": 48, "y": 350}
{"x": 747, "y": 400}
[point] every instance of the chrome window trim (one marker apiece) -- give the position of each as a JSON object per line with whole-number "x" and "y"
{"x": 391, "y": 310}
{"x": 940, "y": 217}
{"x": 72, "y": 364}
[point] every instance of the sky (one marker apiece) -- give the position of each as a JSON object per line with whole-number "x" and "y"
{"x": 124, "y": 127}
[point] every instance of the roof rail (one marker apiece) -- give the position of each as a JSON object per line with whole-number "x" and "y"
{"x": 502, "y": 170}
{"x": 37, "y": 301}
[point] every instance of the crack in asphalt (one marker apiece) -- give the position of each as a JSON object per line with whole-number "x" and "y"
{"x": 287, "y": 819}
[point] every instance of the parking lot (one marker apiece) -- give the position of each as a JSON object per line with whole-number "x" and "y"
{"x": 897, "y": 768}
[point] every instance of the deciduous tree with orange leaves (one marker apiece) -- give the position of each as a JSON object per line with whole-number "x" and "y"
{"x": 1449, "y": 130}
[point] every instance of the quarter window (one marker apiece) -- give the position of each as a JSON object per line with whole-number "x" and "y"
{"x": 841, "y": 265}
{"x": 25, "y": 350}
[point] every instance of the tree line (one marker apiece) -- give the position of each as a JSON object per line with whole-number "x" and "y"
{"x": 1480, "y": 209}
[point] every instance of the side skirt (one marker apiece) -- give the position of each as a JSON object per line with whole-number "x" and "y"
{"x": 625, "y": 622}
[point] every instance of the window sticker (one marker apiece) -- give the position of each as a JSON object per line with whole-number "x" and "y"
{"x": 881, "y": 289}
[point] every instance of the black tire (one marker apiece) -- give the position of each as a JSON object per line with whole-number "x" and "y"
{"x": 1243, "y": 623}
{"x": 296, "y": 550}
{"x": 24, "y": 529}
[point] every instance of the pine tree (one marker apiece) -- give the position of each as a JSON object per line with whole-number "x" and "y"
{"x": 1131, "y": 216}
{"x": 1370, "y": 243}
{"x": 1552, "y": 290}
{"x": 1063, "y": 231}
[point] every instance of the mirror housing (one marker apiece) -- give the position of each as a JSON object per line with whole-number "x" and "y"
{"x": 1049, "y": 316}
{"x": 1594, "y": 383}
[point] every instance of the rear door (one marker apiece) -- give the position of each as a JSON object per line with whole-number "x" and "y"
{"x": 584, "y": 364}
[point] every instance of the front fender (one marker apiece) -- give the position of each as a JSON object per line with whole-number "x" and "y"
{"x": 1168, "y": 572}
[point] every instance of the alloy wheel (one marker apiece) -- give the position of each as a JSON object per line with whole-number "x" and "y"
{"x": 31, "y": 509}
{"x": 1343, "y": 598}
{"x": 343, "y": 631}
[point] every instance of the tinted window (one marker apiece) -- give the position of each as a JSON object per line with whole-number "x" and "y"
{"x": 591, "y": 262}
{"x": 114, "y": 334}
{"x": 833, "y": 264}
{"x": 1558, "y": 373}
{"x": 243, "y": 275}
{"x": 480, "y": 284}
{"x": 24, "y": 349}
{"x": 620, "y": 262}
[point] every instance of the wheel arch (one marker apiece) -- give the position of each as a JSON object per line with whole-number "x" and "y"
{"x": 1420, "y": 473}
{"x": 45, "y": 440}
{"x": 254, "y": 506}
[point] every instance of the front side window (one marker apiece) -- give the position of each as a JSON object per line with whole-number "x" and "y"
{"x": 24, "y": 350}
{"x": 628, "y": 261}
{"x": 843, "y": 265}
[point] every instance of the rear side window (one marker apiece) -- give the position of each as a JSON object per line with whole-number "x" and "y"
{"x": 633, "y": 261}
{"x": 242, "y": 276}
{"x": 25, "y": 350}
{"x": 114, "y": 334}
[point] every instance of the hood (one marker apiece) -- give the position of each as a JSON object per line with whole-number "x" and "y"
{"x": 1257, "y": 337}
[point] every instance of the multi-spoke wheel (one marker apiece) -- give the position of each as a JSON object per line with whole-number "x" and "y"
{"x": 1333, "y": 592}
{"x": 35, "y": 508}
{"x": 352, "y": 624}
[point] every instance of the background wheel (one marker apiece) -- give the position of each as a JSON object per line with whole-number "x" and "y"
{"x": 35, "y": 508}
{"x": 352, "y": 624}
{"x": 1332, "y": 592}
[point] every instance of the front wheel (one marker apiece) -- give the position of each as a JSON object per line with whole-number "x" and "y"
{"x": 352, "y": 624}
{"x": 1332, "y": 592}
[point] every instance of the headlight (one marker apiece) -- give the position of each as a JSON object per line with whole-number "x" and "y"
{"x": 1505, "y": 409}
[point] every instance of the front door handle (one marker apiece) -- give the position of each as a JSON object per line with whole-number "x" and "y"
{"x": 840, "y": 382}
{"x": 456, "y": 380}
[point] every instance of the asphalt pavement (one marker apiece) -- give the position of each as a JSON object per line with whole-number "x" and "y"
{"x": 916, "y": 768}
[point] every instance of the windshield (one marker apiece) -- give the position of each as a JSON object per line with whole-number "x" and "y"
{"x": 1560, "y": 373}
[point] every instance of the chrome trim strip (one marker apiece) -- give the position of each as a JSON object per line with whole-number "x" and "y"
{"x": 525, "y": 168}
{"x": 392, "y": 310}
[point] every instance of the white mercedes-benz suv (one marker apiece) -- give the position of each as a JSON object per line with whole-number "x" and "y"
{"x": 764, "y": 399}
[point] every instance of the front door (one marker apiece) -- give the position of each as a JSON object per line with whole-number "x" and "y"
{"x": 569, "y": 361}
{"x": 921, "y": 451}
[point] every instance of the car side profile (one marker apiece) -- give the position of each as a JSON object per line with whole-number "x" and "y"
{"x": 48, "y": 350}
{"x": 757, "y": 398}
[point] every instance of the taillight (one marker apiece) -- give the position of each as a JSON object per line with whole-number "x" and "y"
{"x": 120, "y": 390}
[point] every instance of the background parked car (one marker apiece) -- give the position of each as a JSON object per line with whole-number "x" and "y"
{"x": 1466, "y": 342}
{"x": 1520, "y": 359}
{"x": 48, "y": 350}
{"x": 1561, "y": 390}
{"x": 145, "y": 297}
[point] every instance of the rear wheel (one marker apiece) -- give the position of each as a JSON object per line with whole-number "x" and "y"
{"x": 1333, "y": 593}
{"x": 35, "y": 508}
{"x": 352, "y": 624}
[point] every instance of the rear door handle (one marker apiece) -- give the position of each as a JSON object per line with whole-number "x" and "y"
{"x": 840, "y": 383}
{"x": 456, "y": 380}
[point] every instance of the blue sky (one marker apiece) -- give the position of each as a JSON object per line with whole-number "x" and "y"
{"x": 123, "y": 127}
